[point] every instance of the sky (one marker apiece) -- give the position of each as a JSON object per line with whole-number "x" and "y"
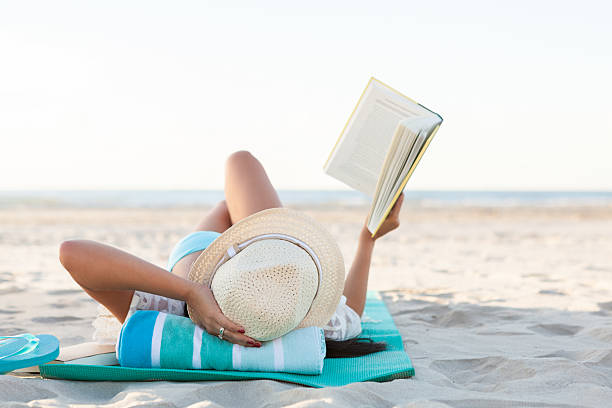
{"x": 157, "y": 94}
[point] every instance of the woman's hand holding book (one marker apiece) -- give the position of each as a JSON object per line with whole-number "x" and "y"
{"x": 391, "y": 222}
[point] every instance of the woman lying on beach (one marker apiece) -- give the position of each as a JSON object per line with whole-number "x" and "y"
{"x": 123, "y": 282}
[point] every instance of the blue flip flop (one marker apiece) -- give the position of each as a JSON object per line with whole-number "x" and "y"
{"x": 26, "y": 350}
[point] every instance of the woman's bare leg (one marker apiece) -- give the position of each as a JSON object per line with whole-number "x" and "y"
{"x": 247, "y": 191}
{"x": 247, "y": 187}
{"x": 218, "y": 219}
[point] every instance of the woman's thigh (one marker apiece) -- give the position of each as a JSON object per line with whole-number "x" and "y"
{"x": 247, "y": 187}
{"x": 217, "y": 219}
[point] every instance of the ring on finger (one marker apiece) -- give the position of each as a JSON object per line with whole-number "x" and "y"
{"x": 221, "y": 331}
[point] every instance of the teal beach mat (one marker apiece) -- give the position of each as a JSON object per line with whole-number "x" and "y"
{"x": 377, "y": 323}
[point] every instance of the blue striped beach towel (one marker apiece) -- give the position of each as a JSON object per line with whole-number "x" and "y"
{"x": 152, "y": 339}
{"x": 376, "y": 323}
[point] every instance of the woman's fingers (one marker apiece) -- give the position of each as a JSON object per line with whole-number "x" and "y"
{"x": 234, "y": 337}
{"x": 241, "y": 339}
{"x": 208, "y": 315}
{"x": 229, "y": 334}
{"x": 394, "y": 213}
{"x": 223, "y": 321}
{"x": 398, "y": 204}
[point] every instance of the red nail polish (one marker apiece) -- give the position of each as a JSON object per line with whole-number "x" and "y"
{"x": 241, "y": 331}
{"x": 258, "y": 344}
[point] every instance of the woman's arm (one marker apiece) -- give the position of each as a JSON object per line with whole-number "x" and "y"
{"x": 97, "y": 266}
{"x": 356, "y": 284}
{"x": 111, "y": 275}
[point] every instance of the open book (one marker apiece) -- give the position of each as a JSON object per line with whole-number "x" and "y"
{"x": 380, "y": 146}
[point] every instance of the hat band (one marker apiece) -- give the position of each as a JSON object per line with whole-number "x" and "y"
{"x": 234, "y": 249}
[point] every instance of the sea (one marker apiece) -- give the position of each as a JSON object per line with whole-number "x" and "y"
{"x": 195, "y": 198}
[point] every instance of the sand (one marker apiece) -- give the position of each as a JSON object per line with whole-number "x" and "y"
{"x": 498, "y": 307}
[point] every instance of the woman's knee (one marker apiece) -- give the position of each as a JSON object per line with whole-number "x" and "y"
{"x": 222, "y": 205}
{"x": 220, "y": 210}
{"x": 240, "y": 158}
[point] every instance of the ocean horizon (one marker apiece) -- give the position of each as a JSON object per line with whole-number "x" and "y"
{"x": 193, "y": 198}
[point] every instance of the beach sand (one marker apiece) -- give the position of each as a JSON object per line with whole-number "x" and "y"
{"x": 497, "y": 307}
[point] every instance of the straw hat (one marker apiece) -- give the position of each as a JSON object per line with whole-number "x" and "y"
{"x": 272, "y": 272}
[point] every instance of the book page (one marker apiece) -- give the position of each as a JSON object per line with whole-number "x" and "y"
{"x": 390, "y": 160}
{"x": 407, "y": 139}
{"x": 426, "y": 130}
{"x": 360, "y": 153}
{"x": 401, "y": 173}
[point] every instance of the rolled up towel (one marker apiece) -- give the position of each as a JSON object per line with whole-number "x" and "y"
{"x": 152, "y": 339}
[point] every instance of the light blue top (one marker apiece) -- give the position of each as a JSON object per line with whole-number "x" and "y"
{"x": 196, "y": 241}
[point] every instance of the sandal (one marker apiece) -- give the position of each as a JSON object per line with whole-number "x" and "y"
{"x": 25, "y": 350}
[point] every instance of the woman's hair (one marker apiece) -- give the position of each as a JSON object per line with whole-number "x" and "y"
{"x": 359, "y": 346}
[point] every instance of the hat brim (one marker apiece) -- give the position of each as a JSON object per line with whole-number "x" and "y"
{"x": 296, "y": 224}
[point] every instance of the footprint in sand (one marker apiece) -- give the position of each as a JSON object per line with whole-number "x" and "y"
{"x": 601, "y": 333}
{"x": 555, "y": 329}
{"x": 486, "y": 370}
{"x": 606, "y": 360}
{"x": 552, "y": 292}
{"x": 64, "y": 291}
{"x": 591, "y": 357}
{"x": 55, "y": 319}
